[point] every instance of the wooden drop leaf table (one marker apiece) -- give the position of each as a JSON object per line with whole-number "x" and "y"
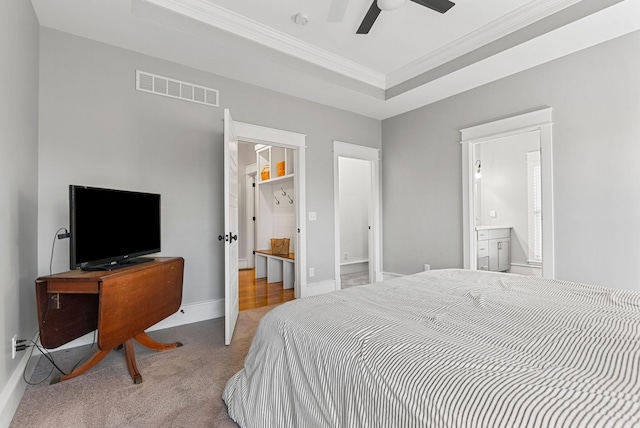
{"x": 121, "y": 304}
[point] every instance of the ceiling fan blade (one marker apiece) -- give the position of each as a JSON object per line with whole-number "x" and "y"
{"x": 337, "y": 10}
{"x": 438, "y": 5}
{"x": 369, "y": 18}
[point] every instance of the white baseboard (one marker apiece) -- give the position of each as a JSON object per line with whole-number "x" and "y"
{"x": 243, "y": 264}
{"x": 390, "y": 275}
{"x": 354, "y": 262}
{"x": 320, "y": 287}
{"x": 523, "y": 269}
{"x": 353, "y": 267}
{"x": 13, "y": 391}
{"x": 192, "y": 312}
{"x": 187, "y": 314}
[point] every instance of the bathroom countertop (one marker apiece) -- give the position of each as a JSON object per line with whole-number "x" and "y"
{"x": 493, "y": 227}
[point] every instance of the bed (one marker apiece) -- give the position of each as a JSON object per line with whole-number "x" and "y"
{"x": 446, "y": 348}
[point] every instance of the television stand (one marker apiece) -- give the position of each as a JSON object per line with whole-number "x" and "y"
{"x": 118, "y": 265}
{"x": 121, "y": 305}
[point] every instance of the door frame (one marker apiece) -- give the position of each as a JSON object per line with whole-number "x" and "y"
{"x": 539, "y": 120}
{"x": 250, "y": 212}
{"x": 292, "y": 140}
{"x": 354, "y": 151}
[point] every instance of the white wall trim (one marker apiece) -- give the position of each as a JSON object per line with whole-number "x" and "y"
{"x": 227, "y": 20}
{"x": 530, "y": 266}
{"x": 522, "y": 269}
{"x": 269, "y": 136}
{"x": 519, "y": 124}
{"x": 501, "y": 27}
{"x": 13, "y": 391}
{"x": 354, "y": 262}
{"x": 540, "y": 120}
{"x": 342, "y": 149}
{"x": 391, "y": 275}
{"x": 320, "y": 287}
{"x": 234, "y": 23}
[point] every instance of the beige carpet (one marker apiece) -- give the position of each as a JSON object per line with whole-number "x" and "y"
{"x": 181, "y": 387}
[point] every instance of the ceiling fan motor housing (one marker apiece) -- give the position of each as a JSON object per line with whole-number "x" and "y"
{"x": 390, "y": 4}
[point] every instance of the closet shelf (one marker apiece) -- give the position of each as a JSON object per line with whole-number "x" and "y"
{"x": 276, "y": 179}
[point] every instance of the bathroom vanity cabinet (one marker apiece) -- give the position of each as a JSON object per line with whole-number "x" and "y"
{"x": 494, "y": 248}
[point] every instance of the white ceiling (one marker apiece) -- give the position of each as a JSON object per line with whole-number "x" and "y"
{"x": 412, "y": 56}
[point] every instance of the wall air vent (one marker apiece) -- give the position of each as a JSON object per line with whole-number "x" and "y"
{"x": 159, "y": 85}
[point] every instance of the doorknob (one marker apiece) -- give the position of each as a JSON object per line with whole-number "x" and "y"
{"x": 226, "y": 238}
{"x": 232, "y": 237}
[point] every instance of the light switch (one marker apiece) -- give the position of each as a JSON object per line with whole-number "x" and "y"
{"x": 312, "y": 216}
{"x": 493, "y": 214}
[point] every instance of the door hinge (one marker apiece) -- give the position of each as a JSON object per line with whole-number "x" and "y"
{"x": 298, "y": 230}
{"x": 254, "y": 219}
{"x": 253, "y": 184}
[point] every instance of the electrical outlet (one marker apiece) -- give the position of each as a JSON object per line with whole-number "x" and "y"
{"x": 14, "y": 341}
{"x": 312, "y": 272}
{"x": 346, "y": 256}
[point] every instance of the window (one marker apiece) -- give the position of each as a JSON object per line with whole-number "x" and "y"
{"x": 535, "y": 208}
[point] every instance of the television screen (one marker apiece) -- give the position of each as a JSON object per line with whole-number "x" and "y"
{"x": 111, "y": 227}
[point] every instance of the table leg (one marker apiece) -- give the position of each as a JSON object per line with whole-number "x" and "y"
{"x": 86, "y": 366}
{"x": 145, "y": 340}
{"x": 131, "y": 362}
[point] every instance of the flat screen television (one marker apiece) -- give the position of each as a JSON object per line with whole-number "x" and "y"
{"x": 112, "y": 228}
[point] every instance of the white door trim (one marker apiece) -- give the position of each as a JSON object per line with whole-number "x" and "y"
{"x": 250, "y": 199}
{"x": 293, "y": 140}
{"x": 342, "y": 149}
{"x": 540, "y": 120}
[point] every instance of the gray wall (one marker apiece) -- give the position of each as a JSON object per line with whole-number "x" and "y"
{"x": 95, "y": 129}
{"x": 18, "y": 180}
{"x": 595, "y": 97}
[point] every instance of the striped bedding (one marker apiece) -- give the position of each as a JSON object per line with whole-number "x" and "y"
{"x": 447, "y": 348}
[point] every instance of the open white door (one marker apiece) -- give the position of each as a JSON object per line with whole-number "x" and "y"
{"x": 230, "y": 237}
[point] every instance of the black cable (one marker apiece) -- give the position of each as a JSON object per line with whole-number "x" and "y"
{"x": 86, "y": 357}
{"x": 44, "y": 352}
{"x": 47, "y": 355}
{"x": 55, "y": 236}
{"x": 24, "y": 372}
{"x": 46, "y": 312}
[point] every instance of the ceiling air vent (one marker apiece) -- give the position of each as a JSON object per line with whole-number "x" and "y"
{"x": 159, "y": 85}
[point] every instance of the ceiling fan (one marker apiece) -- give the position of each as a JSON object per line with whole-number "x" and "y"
{"x": 379, "y": 5}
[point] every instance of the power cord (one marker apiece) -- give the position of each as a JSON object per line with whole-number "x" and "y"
{"x": 21, "y": 345}
{"x": 53, "y": 245}
{"x": 43, "y": 352}
{"x": 56, "y": 236}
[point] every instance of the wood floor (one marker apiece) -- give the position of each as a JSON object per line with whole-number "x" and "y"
{"x": 255, "y": 293}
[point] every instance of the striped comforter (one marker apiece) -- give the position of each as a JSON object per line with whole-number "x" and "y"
{"x": 448, "y": 348}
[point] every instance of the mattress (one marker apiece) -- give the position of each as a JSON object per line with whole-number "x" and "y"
{"x": 446, "y": 348}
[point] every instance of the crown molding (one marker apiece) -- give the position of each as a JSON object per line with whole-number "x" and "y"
{"x": 234, "y": 23}
{"x": 503, "y": 26}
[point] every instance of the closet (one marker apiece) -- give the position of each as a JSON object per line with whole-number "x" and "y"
{"x": 275, "y": 213}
